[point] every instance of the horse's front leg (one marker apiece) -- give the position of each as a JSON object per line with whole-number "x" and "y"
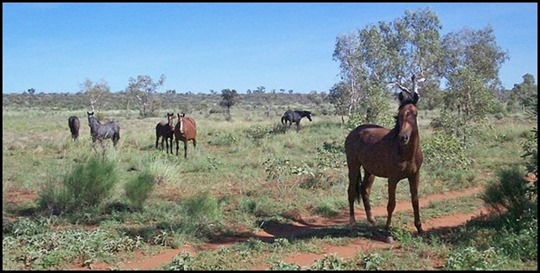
{"x": 163, "y": 139}
{"x": 392, "y": 184}
{"x": 94, "y": 144}
{"x": 185, "y": 149}
{"x": 413, "y": 185}
{"x": 169, "y": 144}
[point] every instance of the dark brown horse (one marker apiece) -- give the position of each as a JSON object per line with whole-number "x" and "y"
{"x": 74, "y": 126}
{"x": 391, "y": 153}
{"x": 165, "y": 131}
{"x": 185, "y": 130}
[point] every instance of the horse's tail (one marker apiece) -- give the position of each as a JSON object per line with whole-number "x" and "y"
{"x": 283, "y": 119}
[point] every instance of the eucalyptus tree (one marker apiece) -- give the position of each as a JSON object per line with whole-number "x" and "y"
{"x": 95, "y": 92}
{"x": 471, "y": 68}
{"x": 524, "y": 94}
{"x": 385, "y": 53}
{"x": 143, "y": 90}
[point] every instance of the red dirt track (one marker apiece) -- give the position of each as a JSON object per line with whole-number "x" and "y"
{"x": 309, "y": 226}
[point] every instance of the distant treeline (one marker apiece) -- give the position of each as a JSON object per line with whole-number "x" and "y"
{"x": 122, "y": 101}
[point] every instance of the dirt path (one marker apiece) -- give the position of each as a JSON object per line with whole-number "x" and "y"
{"x": 310, "y": 226}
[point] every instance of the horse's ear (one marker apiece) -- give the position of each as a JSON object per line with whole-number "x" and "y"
{"x": 415, "y": 97}
{"x": 401, "y": 97}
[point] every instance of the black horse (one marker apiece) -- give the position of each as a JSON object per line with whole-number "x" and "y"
{"x": 99, "y": 131}
{"x": 291, "y": 117}
{"x": 74, "y": 125}
{"x": 165, "y": 131}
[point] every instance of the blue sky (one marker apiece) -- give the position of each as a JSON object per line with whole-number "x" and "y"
{"x": 199, "y": 47}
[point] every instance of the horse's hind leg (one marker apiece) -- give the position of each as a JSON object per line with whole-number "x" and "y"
{"x": 365, "y": 191}
{"x": 354, "y": 180}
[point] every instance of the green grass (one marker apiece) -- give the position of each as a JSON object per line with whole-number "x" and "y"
{"x": 236, "y": 176}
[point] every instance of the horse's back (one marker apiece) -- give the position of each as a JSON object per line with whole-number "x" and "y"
{"x": 375, "y": 149}
{"x": 366, "y": 133}
{"x": 109, "y": 129}
{"x": 160, "y": 126}
{"x": 366, "y": 146}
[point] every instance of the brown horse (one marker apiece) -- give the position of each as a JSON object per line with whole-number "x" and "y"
{"x": 390, "y": 153}
{"x": 185, "y": 130}
{"x": 165, "y": 131}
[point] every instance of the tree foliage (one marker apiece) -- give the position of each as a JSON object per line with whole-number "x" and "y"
{"x": 95, "y": 92}
{"x": 471, "y": 67}
{"x": 384, "y": 53}
{"x": 143, "y": 90}
{"x": 525, "y": 94}
{"x": 228, "y": 99}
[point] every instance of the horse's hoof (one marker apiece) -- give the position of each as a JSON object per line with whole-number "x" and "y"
{"x": 389, "y": 239}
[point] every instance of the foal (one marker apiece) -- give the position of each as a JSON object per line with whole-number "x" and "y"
{"x": 185, "y": 130}
{"x": 99, "y": 131}
{"x": 74, "y": 125}
{"x": 165, "y": 130}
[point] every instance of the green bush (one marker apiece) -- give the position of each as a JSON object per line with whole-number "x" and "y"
{"x": 510, "y": 194}
{"x": 202, "y": 207}
{"x": 444, "y": 151}
{"x": 138, "y": 189}
{"x": 470, "y": 258}
{"x": 86, "y": 187}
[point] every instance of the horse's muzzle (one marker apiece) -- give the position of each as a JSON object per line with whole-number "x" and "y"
{"x": 404, "y": 139}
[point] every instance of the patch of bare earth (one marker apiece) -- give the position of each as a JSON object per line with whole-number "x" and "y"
{"x": 306, "y": 226}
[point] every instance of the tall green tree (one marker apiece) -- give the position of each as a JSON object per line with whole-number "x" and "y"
{"x": 143, "y": 90}
{"x": 522, "y": 95}
{"x": 471, "y": 68}
{"x": 338, "y": 95}
{"x": 352, "y": 72}
{"x": 386, "y": 53}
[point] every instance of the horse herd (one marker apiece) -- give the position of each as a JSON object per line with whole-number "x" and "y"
{"x": 394, "y": 153}
{"x": 185, "y": 129}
